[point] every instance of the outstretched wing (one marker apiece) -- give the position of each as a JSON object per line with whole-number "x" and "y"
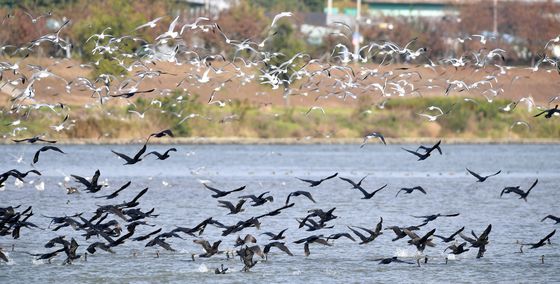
{"x": 213, "y": 189}
{"x": 421, "y": 189}
{"x": 495, "y": 174}
{"x": 81, "y": 180}
{"x": 484, "y": 234}
{"x": 141, "y": 152}
{"x": 237, "y": 189}
{"x": 540, "y": 113}
{"x": 304, "y": 193}
{"x": 474, "y": 174}
{"x": 377, "y": 190}
{"x": 329, "y": 177}
{"x": 413, "y": 152}
{"x": 436, "y": 147}
{"x": 456, "y": 233}
{"x": 349, "y": 181}
{"x": 123, "y": 156}
{"x": 43, "y": 149}
{"x": 227, "y": 204}
{"x": 306, "y": 180}
{"x": 533, "y": 185}
{"x": 357, "y": 233}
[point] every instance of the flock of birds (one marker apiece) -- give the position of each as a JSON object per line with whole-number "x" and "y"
{"x": 254, "y": 62}
{"x": 112, "y": 226}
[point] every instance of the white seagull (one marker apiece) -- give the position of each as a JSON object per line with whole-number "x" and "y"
{"x": 151, "y": 24}
{"x": 281, "y": 15}
{"x": 170, "y": 33}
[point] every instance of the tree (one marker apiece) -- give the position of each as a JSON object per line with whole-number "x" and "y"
{"x": 524, "y": 27}
{"x": 106, "y": 17}
{"x": 236, "y": 26}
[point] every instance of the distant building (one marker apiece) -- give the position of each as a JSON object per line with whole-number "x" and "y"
{"x": 315, "y": 28}
{"x": 411, "y": 8}
{"x": 208, "y": 8}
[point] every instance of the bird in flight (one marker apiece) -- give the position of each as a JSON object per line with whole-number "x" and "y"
{"x": 552, "y": 217}
{"x": 482, "y": 178}
{"x": 166, "y": 132}
{"x": 542, "y": 242}
{"x": 368, "y": 195}
{"x": 373, "y": 135}
{"x": 354, "y": 184}
{"x": 427, "y": 153}
{"x": 428, "y": 218}
{"x": 279, "y": 16}
{"x": 33, "y": 140}
{"x": 43, "y": 149}
{"x": 457, "y": 249}
{"x": 479, "y": 242}
{"x": 515, "y": 189}
{"x": 549, "y": 112}
{"x": 451, "y": 237}
{"x": 151, "y": 24}
{"x": 313, "y": 183}
{"x": 298, "y": 193}
{"x": 409, "y": 190}
{"x": 234, "y": 209}
{"x": 163, "y": 156}
{"x": 116, "y": 193}
{"x": 220, "y": 193}
{"x": 137, "y": 158}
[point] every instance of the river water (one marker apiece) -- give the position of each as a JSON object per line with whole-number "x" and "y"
{"x": 176, "y": 193}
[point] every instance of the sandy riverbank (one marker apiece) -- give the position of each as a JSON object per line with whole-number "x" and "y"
{"x": 293, "y": 141}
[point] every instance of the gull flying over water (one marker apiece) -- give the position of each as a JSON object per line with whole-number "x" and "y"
{"x": 373, "y": 135}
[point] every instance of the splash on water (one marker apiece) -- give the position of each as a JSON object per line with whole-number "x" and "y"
{"x": 203, "y": 268}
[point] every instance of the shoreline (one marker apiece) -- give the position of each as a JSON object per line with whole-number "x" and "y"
{"x": 293, "y": 141}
